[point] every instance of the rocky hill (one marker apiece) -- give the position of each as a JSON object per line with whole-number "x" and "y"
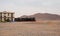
{"x": 44, "y": 16}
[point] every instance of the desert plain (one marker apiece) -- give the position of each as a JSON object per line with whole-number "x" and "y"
{"x": 39, "y": 28}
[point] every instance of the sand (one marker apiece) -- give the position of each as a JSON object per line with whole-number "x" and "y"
{"x": 29, "y": 29}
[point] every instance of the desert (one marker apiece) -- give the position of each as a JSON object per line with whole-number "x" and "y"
{"x": 38, "y": 28}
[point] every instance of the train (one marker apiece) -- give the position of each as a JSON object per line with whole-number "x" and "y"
{"x": 24, "y": 19}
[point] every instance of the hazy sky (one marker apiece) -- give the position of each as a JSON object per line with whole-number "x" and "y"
{"x": 28, "y": 7}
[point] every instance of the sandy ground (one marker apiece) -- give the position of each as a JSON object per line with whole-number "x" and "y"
{"x": 29, "y": 29}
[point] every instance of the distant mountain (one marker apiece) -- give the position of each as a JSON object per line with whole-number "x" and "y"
{"x": 44, "y": 16}
{"x": 24, "y": 16}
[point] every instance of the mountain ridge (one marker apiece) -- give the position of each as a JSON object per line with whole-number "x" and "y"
{"x": 43, "y": 16}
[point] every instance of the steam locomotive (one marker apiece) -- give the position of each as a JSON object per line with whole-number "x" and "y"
{"x": 24, "y": 19}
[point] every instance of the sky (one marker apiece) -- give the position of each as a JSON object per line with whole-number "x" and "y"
{"x": 29, "y": 7}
